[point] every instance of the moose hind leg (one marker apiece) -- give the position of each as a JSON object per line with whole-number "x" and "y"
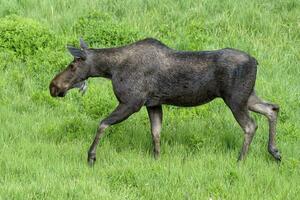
{"x": 241, "y": 114}
{"x": 155, "y": 116}
{"x": 271, "y": 111}
{"x": 249, "y": 127}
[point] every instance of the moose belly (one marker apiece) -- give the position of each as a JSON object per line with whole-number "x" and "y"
{"x": 185, "y": 99}
{"x": 189, "y": 100}
{"x": 184, "y": 89}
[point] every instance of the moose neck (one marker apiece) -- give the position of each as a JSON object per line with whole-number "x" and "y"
{"x": 105, "y": 61}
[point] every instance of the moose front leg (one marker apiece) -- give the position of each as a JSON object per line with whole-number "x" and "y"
{"x": 155, "y": 116}
{"x": 122, "y": 112}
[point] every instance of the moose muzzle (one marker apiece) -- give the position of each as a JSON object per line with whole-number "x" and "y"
{"x": 57, "y": 91}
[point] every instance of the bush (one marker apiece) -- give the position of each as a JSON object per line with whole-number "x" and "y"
{"x": 45, "y": 65}
{"x": 24, "y": 36}
{"x": 102, "y": 30}
{"x": 99, "y": 100}
{"x": 8, "y": 58}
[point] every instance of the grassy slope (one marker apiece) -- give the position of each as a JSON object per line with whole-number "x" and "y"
{"x": 43, "y": 142}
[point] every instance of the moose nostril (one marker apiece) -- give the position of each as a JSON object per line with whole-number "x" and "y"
{"x": 61, "y": 94}
{"x": 53, "y": 90}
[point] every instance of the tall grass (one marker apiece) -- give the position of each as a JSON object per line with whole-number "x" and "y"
{"x": 44, "y": 141}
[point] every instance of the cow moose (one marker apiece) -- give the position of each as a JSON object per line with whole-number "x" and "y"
{"x": 149, "y": 73}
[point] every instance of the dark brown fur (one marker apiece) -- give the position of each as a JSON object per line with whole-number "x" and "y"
{"x": 148, "y": 73}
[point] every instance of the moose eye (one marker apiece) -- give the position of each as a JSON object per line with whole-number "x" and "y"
{"x": 73, "y": 68}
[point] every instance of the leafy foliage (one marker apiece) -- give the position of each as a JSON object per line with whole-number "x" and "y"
{"x": 100, "y": 29}
{"x": 25, "y": 36}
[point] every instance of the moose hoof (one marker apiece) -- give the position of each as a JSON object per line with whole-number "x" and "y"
{"x": 240, "y": 159}
{"x": 91, "y": 159}
{"x": 156, "y": 156}
{"x": 275, "y": 153}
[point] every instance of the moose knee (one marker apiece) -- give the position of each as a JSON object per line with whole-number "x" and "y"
{"x": 250, "y": 128}
{"x": 275, "y": 107}
{"x": 272, "y": 112}
{"x": 102, "y": 126}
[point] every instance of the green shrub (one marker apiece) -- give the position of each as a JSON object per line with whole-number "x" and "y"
{"x": 99, "y": 100}
{"x": 8, "y": 58}
{"x": 102, "y": 30}
{"x": 45, "y": 65}
{"x": 24, "y": 36}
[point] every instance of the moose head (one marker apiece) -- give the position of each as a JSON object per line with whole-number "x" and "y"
{"x": 74, "y": 75}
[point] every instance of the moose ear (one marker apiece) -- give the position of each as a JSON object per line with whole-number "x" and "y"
{"x": 77, "y": 53}
{"x": 83, "y": 45}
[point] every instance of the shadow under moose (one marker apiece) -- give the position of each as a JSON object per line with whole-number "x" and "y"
{"x": 149, "y": 73}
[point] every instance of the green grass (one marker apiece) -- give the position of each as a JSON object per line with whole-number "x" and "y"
{"x": 44, "y": 141}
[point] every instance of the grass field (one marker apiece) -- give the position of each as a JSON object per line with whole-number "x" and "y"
{"x": 44, "y": 141}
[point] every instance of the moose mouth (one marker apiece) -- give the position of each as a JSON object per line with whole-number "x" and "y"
{"x": 58, "y": 92}
{"x": 62, "y": 94}
{"x": 82, "y": 86}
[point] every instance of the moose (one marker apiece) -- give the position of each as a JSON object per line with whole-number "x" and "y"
{"x": 149, "y": 73}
